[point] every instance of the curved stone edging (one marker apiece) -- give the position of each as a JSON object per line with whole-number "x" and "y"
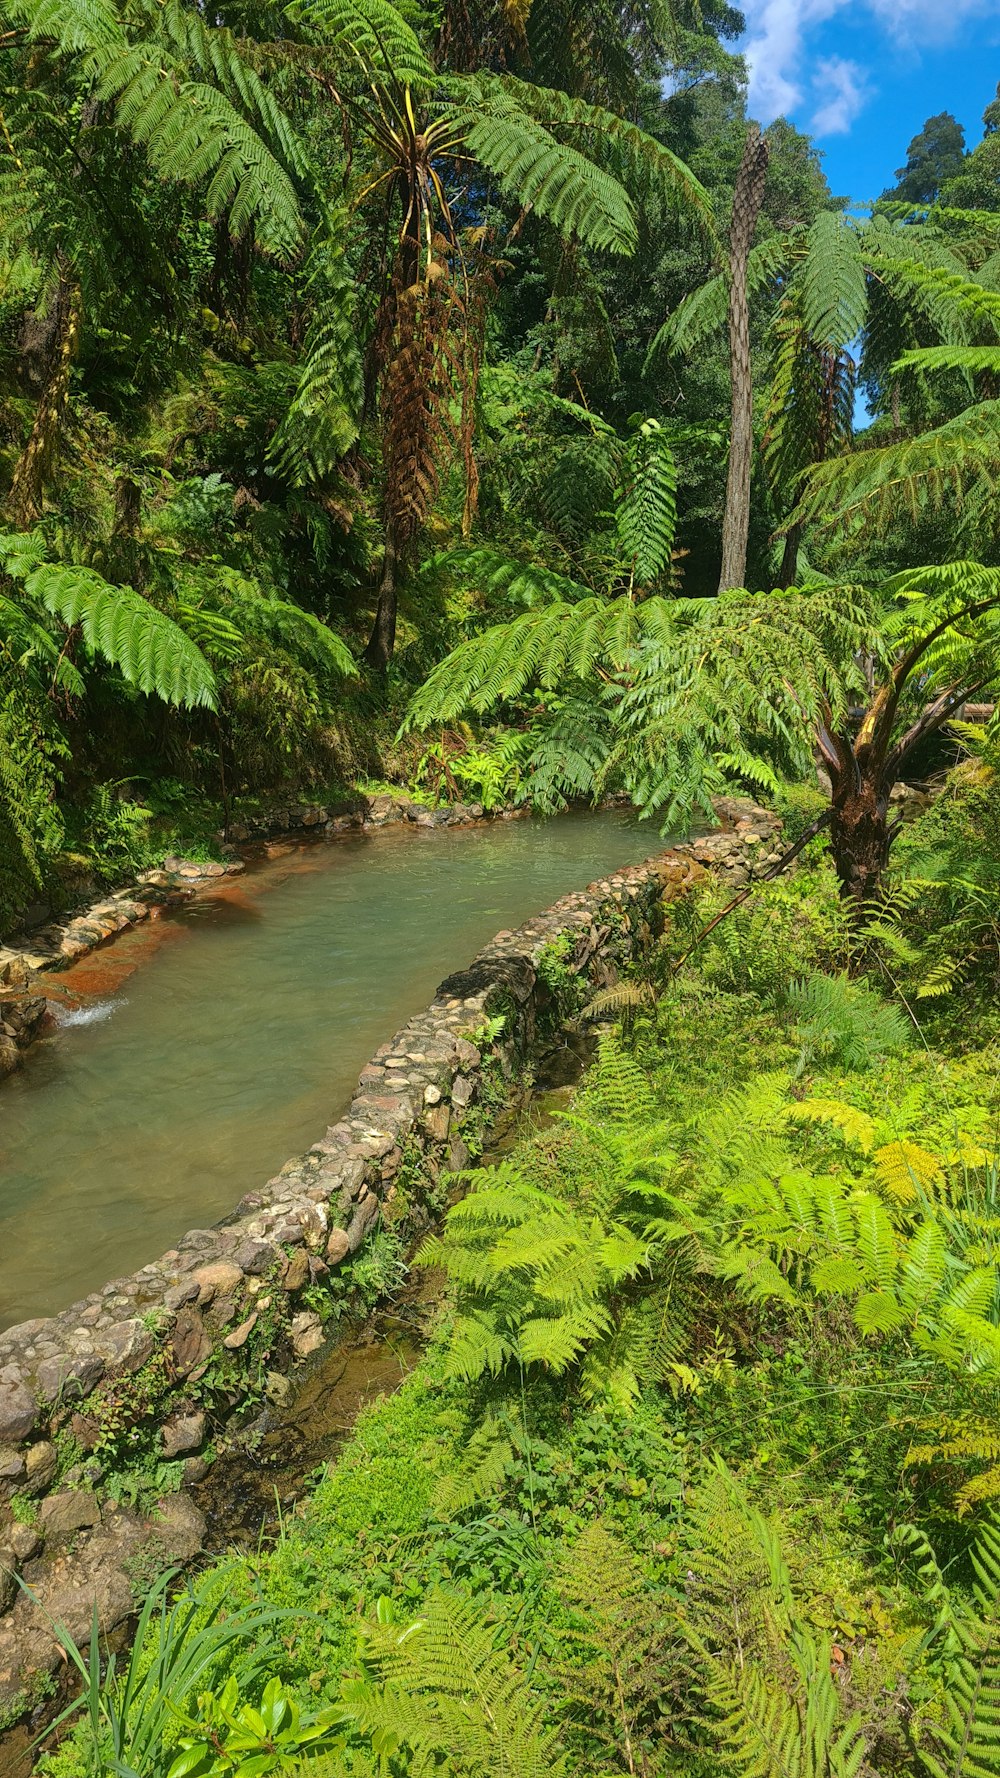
{"x": 224, "y": 1303}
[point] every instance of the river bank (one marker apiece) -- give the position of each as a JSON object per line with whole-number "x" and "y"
{"x": 142, "y": 1372}
{"x": 641, "y": 1456}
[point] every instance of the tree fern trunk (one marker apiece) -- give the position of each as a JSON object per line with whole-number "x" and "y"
{"x": 860, "y": 837}
{"x": 747, "y": 199}
{"x": 382, "y": 640}
{"x": 790, "y": 557}
{"x": 24, "y": 502}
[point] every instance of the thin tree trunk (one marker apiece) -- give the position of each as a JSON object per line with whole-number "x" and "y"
{"x": 790, "y": 557}
{"x": 24, "y": 502}
{"x": 747, "y": 199}
{"x": 382, "y": 640}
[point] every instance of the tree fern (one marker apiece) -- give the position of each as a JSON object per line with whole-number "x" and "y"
{"x": 194, "y": 134}
{"x": 372, "y": 34}
{"x": 148, "y": 648}
{"x": 646, "y": 511}
{"x": 323, "y": 417}
{"x": 701, "y": 314}
{"x": 558, "y": 182}
{"x": 832, "y": 281}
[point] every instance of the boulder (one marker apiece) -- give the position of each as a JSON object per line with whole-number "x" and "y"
{"x": 63, "y": 1514}
{"x": 11, "y": 1464}
{"x": 364, "y": 1216}
{"x": 25, "y": 1541}
{"x": 179, "y": 1527}
{"x": 190, "y": 1341}
{"x": 182, "y": 1433}
{"x": 307, "y": 1334}
{"x": 239, "y": 1336}
{"x": 18, "y": 1412}
{"x": 41, "y": 1465}
{"x": 179, "y": 1294}
{"x": 70, "y": 1375}
{"x": 255, "y": 1257}
{"x": 127, "y": 1345}
{"x": 338, "y": 1247}
{"x": 218, "y": 1279}
{"x": 296, "y": 1273}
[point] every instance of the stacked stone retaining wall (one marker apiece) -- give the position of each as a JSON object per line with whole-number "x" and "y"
{"x": 152, "y": 1366}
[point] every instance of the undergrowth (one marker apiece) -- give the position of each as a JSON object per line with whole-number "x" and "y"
{"x": 699, "y": 1474}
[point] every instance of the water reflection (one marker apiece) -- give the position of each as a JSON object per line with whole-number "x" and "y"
{"x": 242, "y": 1034}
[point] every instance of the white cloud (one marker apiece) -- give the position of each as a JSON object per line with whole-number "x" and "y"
{"x": 842, "y": 91}
{"x": 776, "y": 46}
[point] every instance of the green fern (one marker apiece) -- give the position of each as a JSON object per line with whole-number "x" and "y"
{"x": 117, "y": 624}
{"x": 968, "y": 1744}
{"x": 442, "y": 1687}
{"x": 845, "y": 1022}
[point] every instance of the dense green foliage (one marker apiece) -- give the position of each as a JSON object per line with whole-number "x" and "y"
{"x": 365, "y": 386}
{"x": 699, "y": 1473}
{"x": 332, "y": 323}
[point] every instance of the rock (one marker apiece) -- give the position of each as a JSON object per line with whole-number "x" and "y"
{"x": 63, "y": 1514}
{"x": 86, "y": 1430}
{"x": 432, "y": 1095}
{"x": 437, "y": 1119}
{"x": 239, "y": 1336}
{"x": 179, "y": 1294}
{"x": 182, "y": 1433}
{"x": 127, "y": 1345}
{"x": 11, "y": 1464}
{"x": 255, "y": 1257}
{"x": 25, "y": 1541}
{"x": 70, "y": 1375}
{"x": 41, "y": 1464}
{"x": 338, "y": 1246}
{"x": 296, "y": 1273}
{"x": 463, "y": 1091}
{"x": 467, "y": 1053}
{"x": 307, "y": 1334}
{"x": 179, "y": 1527}
{"x": 9, "y": 1588}
{"x": 10, "y": 1056}
{"x": 190, "y": 1342}
{"x": 195, "y": 1470}
{"x": 364, "y": 1216}
{"x": 218, "y": 1279}
{"x": 277, "y": 1389}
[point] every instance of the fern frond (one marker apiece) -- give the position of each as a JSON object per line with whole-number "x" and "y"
{"x": 148, "y": 648}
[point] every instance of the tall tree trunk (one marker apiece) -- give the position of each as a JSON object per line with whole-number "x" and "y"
{"x": 24, "y": 502}
{"x": 747, "y": 199}
{"x": 382, "y": 640}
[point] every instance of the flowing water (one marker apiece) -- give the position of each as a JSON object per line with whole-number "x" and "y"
{"x": 169, "y": 1090}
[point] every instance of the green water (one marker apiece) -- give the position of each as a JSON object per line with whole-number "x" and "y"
{"x": 241, "y": 1035}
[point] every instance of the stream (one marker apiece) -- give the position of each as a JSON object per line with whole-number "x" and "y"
{"x": 196, "y": 1053}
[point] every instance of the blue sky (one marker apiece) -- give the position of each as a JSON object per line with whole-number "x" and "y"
{"x": 862, "y": 75}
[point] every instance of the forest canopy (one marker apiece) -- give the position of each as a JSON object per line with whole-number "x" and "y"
{"x": 337, "y": 337}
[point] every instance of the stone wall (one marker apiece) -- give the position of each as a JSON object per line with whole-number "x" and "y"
{"x": 145, "y": 1369}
